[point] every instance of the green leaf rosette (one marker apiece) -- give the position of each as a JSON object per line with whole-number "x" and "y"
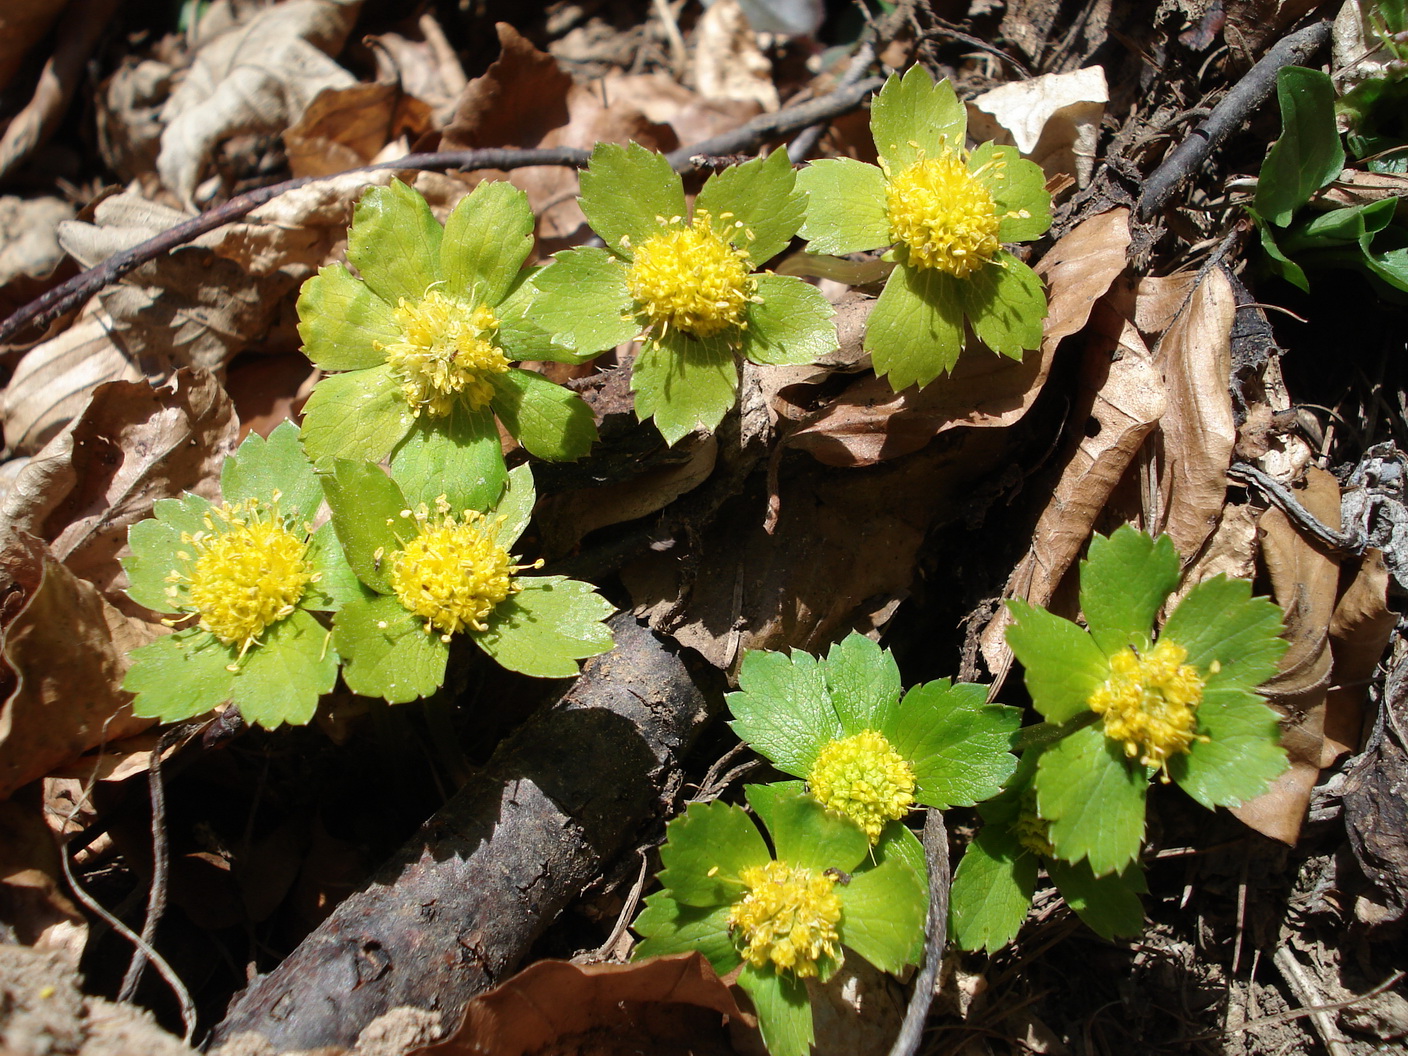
{"x": 944, "y": 215}
{"x": 686, "y": 284}
{"x": 241, "y": 580}
{"x": 783, "y": 916}
{"x": 1183, "y": 705}
{"x": 421, "y": 340}
{"x": 866, "y": 752}
{"x": 995, "y": 882}
{"x": 432, "y": 552}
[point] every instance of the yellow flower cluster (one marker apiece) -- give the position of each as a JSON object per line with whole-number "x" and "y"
{"x": 446, "y": 352}
{"x": 691, "y": 278}
{"x": 1149, "y": 703}
{"x": 943, "y": 215}
{"x": 787, "y": 917}
{"x": 863, "y": 778}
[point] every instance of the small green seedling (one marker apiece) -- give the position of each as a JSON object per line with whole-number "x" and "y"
{"x": 423, "y": 338}
{"x": 1129, "y": 706}
{"x": 867, "y": 753}
{"x": 787, "y": 914}
{"x": 433, "y": 553}
{"x": 943, "y": 215}
{"x": 242, "y": 580}
{"x": 686, "y": 285}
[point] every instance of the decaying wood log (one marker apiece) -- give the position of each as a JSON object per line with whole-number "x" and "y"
{"x": 459, "y": 905}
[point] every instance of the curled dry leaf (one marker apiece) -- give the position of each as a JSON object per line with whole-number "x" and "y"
{"x": 29, "y": 246}
{"x": 346, "y": 128}
{"x": 727, "y": 62}
{"x": 665, "y": 1004}
{"x": 1360, "y": 631}
{"x": 870, "y": 423}
{"x": 1053, "y": 119}
{"x": 256, "y": 77}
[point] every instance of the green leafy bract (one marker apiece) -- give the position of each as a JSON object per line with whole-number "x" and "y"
{"x": 278, "y": 675}
{"x": 543, "y": 628}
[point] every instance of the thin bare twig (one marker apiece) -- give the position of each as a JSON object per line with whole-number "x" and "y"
{"x": 156, "y": 897}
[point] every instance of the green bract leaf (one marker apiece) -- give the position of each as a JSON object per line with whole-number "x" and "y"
{"x": 387, "y": 652}
{"x": 1018, "y": 187}
{"x": 1093, "y": 796}
{"x": 992, "y": 890}
{"x": 180, "y": 675}
{"x": 793, "y": 324}
{"x": 885, "y": 912}
{"x": 366, "y": 508}
{"x": 547, "y": 627}
{"x": 959, "y": 744}
{"x": 705, "y": 849}
{"x": 583, "y": 301}
{"x": 488, "y": 236}
{"x": 516, "y": 504}
{"x": 282, "y": 679}
{"x": 1240, "y": 757}
{"x": 864, "y": 681}
{"x": 1064, "y": 665}
{"x": 783, "y": 708}
{"x": 845, "y": 207}
{"x": 548, "y": 420}
{"x": 464, "y": 462}
{"x": 915, "y": 331}
{"x": 684, "y": 383}
{"x": 670, "y": 927}
{"x": 760, "y": 195}
{"x": 1123, "y": 585}
{"x": 1109, "y": 905}
{"x": 361, "y": 415}
{"x": 802, "y": 832}
{"x": 784, "y": 1013}
{"x": 913, "y": 118}
{"x": 394, "y": 242}
{"x": 624, "y": 192}
{"x": 337, "y": 584}
{"x": 154, "y": 543}
{"x": 342, "y": 324}
{"x": 1308, "y": 155}
{"x": 1220, "y": 622}
{"x": 1005, "y": 303}
{"x": 261, "y": 467}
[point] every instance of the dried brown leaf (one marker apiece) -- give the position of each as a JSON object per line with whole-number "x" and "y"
{"x": 1360, "y": 630}
{"x": 32, "y": 897}
{"x": 346, "y": 128}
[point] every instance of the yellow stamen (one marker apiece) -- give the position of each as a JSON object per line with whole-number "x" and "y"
{"x": 692, "y": 279}
{"x": 787, "y": 917}
{"x": 943, "y": 215}
{"x": 864, "y": 779}
{"x": 1150, "y": 703}
{"x": 446, "y": 352}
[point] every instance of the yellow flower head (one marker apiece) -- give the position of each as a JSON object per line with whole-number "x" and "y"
{"x": 864, "y": 779}
{"x": 943, "y": 215}
{"x": 245, "y": 571}
{"x": 788, "y": 916}
{"x": 453, "y": 572}
{"x": 446, "y": 351}
{"x": 1150, "y": 702}
{"x": 691, "y": 278}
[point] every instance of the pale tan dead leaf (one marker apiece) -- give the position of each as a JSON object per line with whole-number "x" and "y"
{"x": 1053, "y": 119}
{"x": 1353, "y": 187}
{"x": 1231, "y": 551}
{"x": 56, "y": 377}
{"x": 257, "y": 77}
{"x": 29, "y": 242}
{"x": 128, "y": 117}
{"x": 65, "y": 650}
{"x": 664, "y": 101}
{"x": 1360, "y": 630}
{"x": 1198, "y": 431}
{"x": 132, "y": 445}
{"x": 870, "y": 422}
{"x": 33, "y": 900}
{"x": 427, "y": 68}
{"x": 23, "y": 24}
{"x": 346, "y": 128}
{"x": 727, "y": 62}
{"x": 1118, "y": 402}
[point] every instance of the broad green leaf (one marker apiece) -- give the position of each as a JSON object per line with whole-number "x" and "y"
{"x": 1390, "y": 267}
{"x": 282, "y": 677}
{"x": 803, "y": 832}
{"x": 762, "y": 196}
{"x": 915, "y": 331}
{"x": 359, "y": 415}
{"x": 394, "y": 243}
{"x": 783, "y": 709}
{"x": 459, "y": 457}
{"x": 180, "y": 675}
{"x": 685, "y": 384}
{"x": 1018, "y": 187}
{"x": 548, "y": 626}
{"x": 386, "y": 651}
{"x": 1240, "y": 757}
{"x": 958, "y": 744}
{"x": 793, "y": 324}
{"x": 1063, "y": 663}
{"x": 488, "y": 236}
{"x": 1219, "y": 621}
{"x": 516, "y": 504}
{"x": 669, "y": 927}
{"x": 883, "y": 916}
{"x": 626, "y": 191}
{"x": 1308, "y": 155}
{"x": 261, "y": 467}
{"x": 583, "y": 301}
{"x": 784, "y": 1010}
{"x": 706, "y": 848}
{"x": 366, "y": 510}
{"x": 865, "y": 684}
{"x": 992, "y": 890}
{"x": 1005, "y": 302}
{"x": 1094, "y": 799}
{"x": 154, "y": 543}
{"x": 342, "y": 323}
{"x": 846, "y": 210}
{"x": 913, "y": 118}
{"x": 1281, "y": 264}
{"x": 1123, "y": 584}
{"x": 550, "y": 421}
{"x": 520, "y": 335}
{"x": 337, "y": 584}
{"x": 1109, "y": 905}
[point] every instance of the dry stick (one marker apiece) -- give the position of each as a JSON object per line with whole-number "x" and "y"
{"x": 161, "y": 856}
{"x": 750, "y": 136}
{"x": 936, "y": 855}
{"x": 801, "y": 148}
{"x": 1229, "y": 115}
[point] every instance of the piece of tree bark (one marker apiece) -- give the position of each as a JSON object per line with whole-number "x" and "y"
{"x": 459, "y": 905}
